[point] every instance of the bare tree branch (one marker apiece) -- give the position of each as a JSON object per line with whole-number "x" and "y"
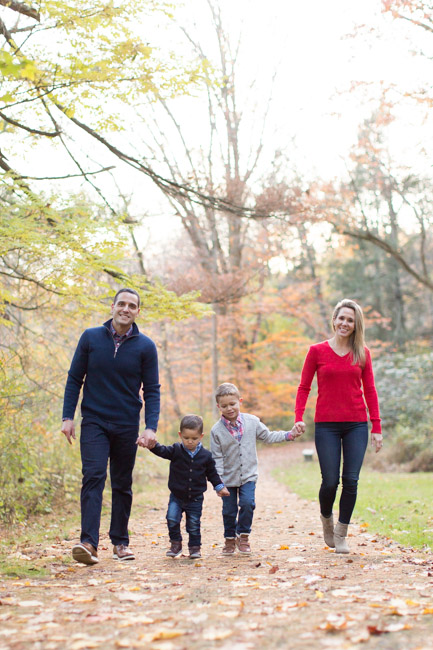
{"x": 48, "y": 134}
{"x": 367, "y": 235}
{"x": 55, "y": 178}
{"x": 22, "y": 8}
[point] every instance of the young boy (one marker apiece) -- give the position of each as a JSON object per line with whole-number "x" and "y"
{"x": 233, "y": 446}
{"x": 190, "y": 465}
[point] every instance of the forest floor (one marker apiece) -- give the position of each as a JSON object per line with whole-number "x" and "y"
{"x": 291, "y": 592}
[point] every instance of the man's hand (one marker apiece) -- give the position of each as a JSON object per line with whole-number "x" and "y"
{"x": 147, "y": 439}
{"x": 223, "y": 493}
{"x": 68, "y": 428}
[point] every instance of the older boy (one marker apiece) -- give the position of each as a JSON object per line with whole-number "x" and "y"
{"x": 233, "y": 446}
{"x": 191, "y": 466}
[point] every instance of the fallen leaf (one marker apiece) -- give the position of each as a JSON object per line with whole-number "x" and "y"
{"x": 84, "y": 599}
{"x": 214, "y": 634}
{"x": 137, "y": 620}
{"x": 274, "y": 569}
{"x": 360, "y": 637}
{"x": 85, "y": 641}
{"x": 160, "y": 635}
{"x": 283, "y": 607}
{"x": 334, "y": 622}
{"x": 127, "y": 596}
{"x": 397, "y": 627}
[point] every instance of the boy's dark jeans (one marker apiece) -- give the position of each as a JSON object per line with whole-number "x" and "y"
{"x": 238, "y": 509}
{"x": 192, "y": 510}
{"x": 331, "y": 438}
{"x": 100, "y": 443}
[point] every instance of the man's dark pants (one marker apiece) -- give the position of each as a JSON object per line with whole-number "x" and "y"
{"x": 101, "y": 442}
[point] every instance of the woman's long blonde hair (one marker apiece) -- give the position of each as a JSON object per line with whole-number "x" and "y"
{"x": 357, "y": 341}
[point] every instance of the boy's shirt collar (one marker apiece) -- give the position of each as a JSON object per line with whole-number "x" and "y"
{"x": 192, "y": 453}
{"x": 236, "y": 429}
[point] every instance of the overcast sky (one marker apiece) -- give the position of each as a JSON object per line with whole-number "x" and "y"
{"x": 312, "y": 47}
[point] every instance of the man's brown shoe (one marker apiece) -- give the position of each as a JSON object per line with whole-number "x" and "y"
{"x": 122, "y": 553}
{"x": 229, "y": 546}
{"x": 85, "y": 553}
{"x": 175, "y": 549}
{"x": 243, "y": 544}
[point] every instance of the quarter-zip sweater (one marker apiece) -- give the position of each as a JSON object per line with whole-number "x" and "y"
{"x": 113, "y": 378}
{"x": 188, "y": 474}
{"x": 236, "y": 461}
{"x": 340, "y": 387}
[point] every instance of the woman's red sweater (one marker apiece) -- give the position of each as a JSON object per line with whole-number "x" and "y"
{"x": 340, "y": 393}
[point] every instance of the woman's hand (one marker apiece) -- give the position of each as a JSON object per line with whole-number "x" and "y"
{"x": 377, "y": 441}
{"x": 299, "y": 428}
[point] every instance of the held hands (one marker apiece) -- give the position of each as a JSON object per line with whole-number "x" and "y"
{"x": 223, "y": 493}
{"x": 377, "y": 441}
{"x": 68, "y": 428}
{"x": 147, "y": 439}
{"x": 298, "y": 429}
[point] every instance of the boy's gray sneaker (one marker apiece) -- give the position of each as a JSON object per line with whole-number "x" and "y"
{"x": 175, "y": 549}
{"x": 194, "y": 552}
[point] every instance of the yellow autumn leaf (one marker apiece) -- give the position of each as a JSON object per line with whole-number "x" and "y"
{"x": 160, "y": 635}
{"x": 213, "y": 634}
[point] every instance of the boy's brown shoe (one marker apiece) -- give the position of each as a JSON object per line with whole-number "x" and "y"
{"x": 194, "y": 552}
{"x": 122, "y": 553}
{"x": 85, "y": 553}
{"x": 175, "y": 549}
{"x": 229, "y": 546}
{"x": 243, "y": 544}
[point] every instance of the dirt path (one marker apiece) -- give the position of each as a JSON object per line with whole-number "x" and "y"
{"x": 292, "y": 592}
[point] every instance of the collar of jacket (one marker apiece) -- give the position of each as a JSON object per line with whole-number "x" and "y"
{"x": 135, "y": 330}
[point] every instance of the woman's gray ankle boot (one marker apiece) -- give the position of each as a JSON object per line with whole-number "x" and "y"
{"x": 328, "y": 530}
{"x": 340, "y": 534}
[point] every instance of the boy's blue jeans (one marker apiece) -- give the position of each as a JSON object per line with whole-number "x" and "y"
{"x": 331, "y": 439}
{"x": 238, "y": 509}
{"x": 192, "y": 510}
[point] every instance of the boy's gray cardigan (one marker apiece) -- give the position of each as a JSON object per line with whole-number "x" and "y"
{"x": 236, "y": 462}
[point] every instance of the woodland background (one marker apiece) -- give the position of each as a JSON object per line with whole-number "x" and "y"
{"x": 109, "y": 124}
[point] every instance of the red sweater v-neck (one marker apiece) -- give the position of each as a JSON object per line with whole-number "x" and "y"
{"x": 340, "y": 387}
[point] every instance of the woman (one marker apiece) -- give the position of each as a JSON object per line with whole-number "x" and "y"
{"x": 344, "y": 379}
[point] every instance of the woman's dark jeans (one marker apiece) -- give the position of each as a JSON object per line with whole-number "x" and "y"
{"x": 330, "y": 439}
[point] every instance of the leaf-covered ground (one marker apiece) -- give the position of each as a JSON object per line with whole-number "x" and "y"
{"x": 292, "y": 592}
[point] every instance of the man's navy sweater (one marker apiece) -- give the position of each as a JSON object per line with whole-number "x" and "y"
{"x": 188, "y": 475}
{"x": 113, "y": 380}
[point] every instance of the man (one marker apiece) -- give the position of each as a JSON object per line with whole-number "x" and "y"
{"x": 115, "y": 361}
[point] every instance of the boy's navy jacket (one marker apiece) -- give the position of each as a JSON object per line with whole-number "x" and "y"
{"x": 113, "y": 380}
{"x": 188, "y": 476}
